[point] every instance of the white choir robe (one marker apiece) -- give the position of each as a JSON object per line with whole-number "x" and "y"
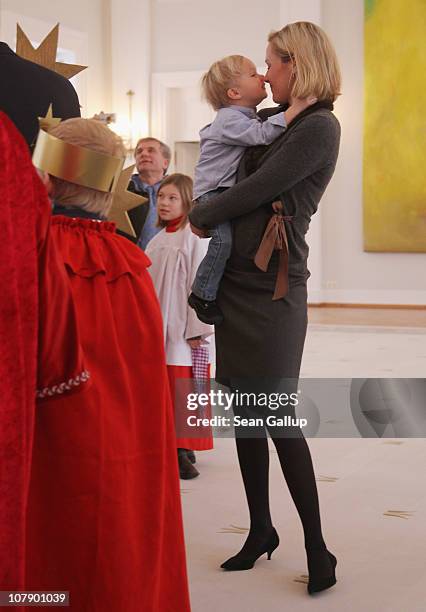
{"x": 175, "y": 257}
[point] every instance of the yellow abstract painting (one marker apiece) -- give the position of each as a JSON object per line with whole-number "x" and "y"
{"x": 394, "y": 166}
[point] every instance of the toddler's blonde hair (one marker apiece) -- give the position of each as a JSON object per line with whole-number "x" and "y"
{"x": 219, "y": 78}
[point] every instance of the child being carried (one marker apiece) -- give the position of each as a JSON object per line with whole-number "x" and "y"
{"x": 233, "y": 87}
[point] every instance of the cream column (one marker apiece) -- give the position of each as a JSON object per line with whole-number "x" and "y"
{"x": 131, "y": 65}
{"x": 309, "y": 10}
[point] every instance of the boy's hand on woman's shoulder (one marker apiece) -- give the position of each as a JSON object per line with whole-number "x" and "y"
{"x": 297, "y": 106}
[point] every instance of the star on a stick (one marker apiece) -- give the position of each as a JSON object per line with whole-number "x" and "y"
{"x": 48, "y": 121}
{"x": 123, "y": 201}
{"x": 45, "y": 54}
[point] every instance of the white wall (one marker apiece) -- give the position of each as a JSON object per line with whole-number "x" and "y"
{"x": 130, "y": 24}
{"x": 191, "y": 34}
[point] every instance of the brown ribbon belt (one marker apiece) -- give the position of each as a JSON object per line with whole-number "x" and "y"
{"x": 275, "y": 238}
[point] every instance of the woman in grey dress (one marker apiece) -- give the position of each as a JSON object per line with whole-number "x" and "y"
{"x": 263, "y": 293}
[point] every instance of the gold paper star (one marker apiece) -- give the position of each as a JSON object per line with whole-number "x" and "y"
{"x": 123, "y": 201}
{"x": 45, "y": 54}
{"x": 49, "y": 121}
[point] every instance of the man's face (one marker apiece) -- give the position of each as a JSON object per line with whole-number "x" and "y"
{"x": 149, "y": 158}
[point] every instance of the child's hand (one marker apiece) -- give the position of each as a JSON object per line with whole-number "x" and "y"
{"x": 297, "y": 106}
{"x": 311, "y": 100}
{"x": 195, "y": 343}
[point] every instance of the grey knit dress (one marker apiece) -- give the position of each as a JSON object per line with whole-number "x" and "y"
{"x": 260, "y": 337}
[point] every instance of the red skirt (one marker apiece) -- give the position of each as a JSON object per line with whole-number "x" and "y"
{"x": 104, "y": 513}
{"x": 205, "y": 441}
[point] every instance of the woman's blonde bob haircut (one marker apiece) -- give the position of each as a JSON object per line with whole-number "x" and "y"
{"x": 316, "y": 67}
{"x": 184, "y": 185}
{"x": 94, "y": 135}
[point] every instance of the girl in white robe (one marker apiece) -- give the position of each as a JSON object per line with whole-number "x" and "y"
{"x": 175, "y": 253}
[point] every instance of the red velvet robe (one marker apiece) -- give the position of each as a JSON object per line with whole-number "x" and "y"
{"x": 35, "y": 297}
{"x": 104, "y": 515}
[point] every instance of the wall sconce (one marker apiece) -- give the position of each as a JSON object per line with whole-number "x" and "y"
{"x": 129, "y": 126}
{"x": 130, "y": 95}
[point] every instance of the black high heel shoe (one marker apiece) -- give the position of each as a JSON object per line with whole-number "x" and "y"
{"x": 245, "y": 562}
{"x": 320, "y": 583}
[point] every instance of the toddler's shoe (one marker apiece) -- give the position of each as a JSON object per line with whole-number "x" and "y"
{"x": 207, "y": 310}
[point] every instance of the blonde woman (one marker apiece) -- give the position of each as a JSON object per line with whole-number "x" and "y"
{"x": 233, "y": 88}
{"x": 263, "y": 294}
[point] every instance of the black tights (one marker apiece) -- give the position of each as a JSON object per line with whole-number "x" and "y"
{"x": 296, "y": 464}
{"x": 293, "y": 453}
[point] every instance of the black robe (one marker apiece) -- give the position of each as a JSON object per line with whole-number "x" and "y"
{"x": 27, "y": 90}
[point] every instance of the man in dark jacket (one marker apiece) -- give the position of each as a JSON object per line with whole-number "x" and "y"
{"x": 152, "y": 159}
{"x": 27, "y": 90}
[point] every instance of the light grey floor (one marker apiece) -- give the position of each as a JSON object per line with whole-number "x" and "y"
{"x": 381, "y": 558}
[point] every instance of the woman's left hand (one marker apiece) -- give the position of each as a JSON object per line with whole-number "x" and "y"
{"x": 198, "y": 232}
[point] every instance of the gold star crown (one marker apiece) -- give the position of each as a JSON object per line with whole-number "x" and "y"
{"x": 45, "y": 54}
{"x": 87, "y": 168}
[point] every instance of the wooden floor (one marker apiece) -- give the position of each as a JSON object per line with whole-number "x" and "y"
{"x": 388, "y": 317}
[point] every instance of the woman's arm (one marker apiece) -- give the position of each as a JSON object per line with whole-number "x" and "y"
{"x": 310, "y": 147}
